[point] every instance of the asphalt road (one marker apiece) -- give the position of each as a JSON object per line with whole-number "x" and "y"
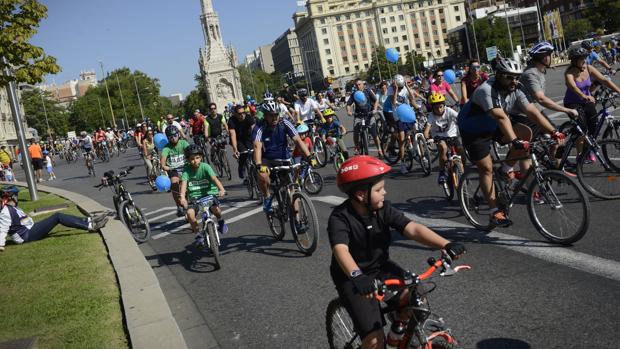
{"x": 521, "y": 292}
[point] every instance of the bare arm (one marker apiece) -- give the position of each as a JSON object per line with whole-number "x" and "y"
{"x": 233, "y": 139}
{"x": 162, "y": 162}
{"x": 258, "y": 152}
{"x": 464, "y": 91}
{"x": 344, "y": 258}
{"x": 535, "y": 115}
{"x": 601, "y": 78}
{"x": 550, "y": 104}
{"x": 570, "y": 83}
{"x": 301, "y": 145}
{"x": 182, "y": 192}
{"x": 219, "y": 185}
{"x": 422, "y": 234}
{"x": 504, "y": 122}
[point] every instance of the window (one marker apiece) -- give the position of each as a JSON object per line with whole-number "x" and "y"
{"x": 403, "y": 27}
{"x": 345, "y": 59}
{"x": 414, "y": 25}
{"x": 440, "y": 10}
{"x": 347, "y": 70}
{"x": 363, "y": 45}
{"x": 458, "y": 18}
{"x": 347, "y": 17}
{"x": 361, "y": 35}
{"x": 364, "y": 55}
{"x": 444, "y": 30}
{"x": 401, "y": 17}
{"x": 357, "y": 68}
{"x": 395, "y": 39}
{"x": 349, "y": 26}
{"x": 434, "y": 32}
{"x": 416, "y": 36}
{"x": 328, "y": 51}
{"x": 319, "y": 8}
{"x": 437, "y": 42}
{"x": 366, "y": 65}
{"x": 383, "y": 21}
{"x": 456, "y": 8}
{"x": 326, "y": 42}
{"x": 427, "y": 44}
{"x": 443, "y": 20}
{"x": 385, "y": 30}
{"x": 391, "y": 18}
{"x": 353, "y": 47}
{"x": 354, "y": 57}
{"x": 338, "y": 18}
{"x": 387, "y": 40}
{"x": 329, "y": 61}
{"x": 331, "y": 72}
{"x": 393, "y": 29}
{"x": 406, "y": 47}
{"x": 324, "y": 30}
{"x": 398, "y": 49}
{"x": 399, "y": 7}
{"x": 351, "y": 36}
{"x": 404, "y": 37}
{"x": 417, "y": 46}
{"x": 341, "y": 38}
{"x": 357, "y": 15}
{"x": 382, "y": 10}
{"x": 322, "y": 20}
{"x": 433, "y": 22}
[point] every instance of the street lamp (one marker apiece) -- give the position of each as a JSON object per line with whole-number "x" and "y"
{"x": 108, "y": 93}
{"x": 138, "y": 94}
{"x": 45, "y": 113}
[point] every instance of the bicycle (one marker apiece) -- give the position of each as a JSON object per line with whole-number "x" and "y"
{"x": 364, "y": 133}
{"x": 310, "y": 180}
{"x": 567, "y": 215}
{"x": 209, "y": 228}
{"x": 453, "y": 168}
{"x": 292, "y": 205}
{"x": 156, "y": 169}
{"x": 607, "y": 123}
{"x": 102, "y": 151}
{"x": 319, "y": 147}
{"x": 334, "y": 153}
{"x": 424, "y": 329}
{"x": 219, "y": 160}
{"x": 126, "y": 209}
{"x": 251, "y": 180}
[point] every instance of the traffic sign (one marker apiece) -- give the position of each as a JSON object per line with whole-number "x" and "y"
{"x": 491, "y": 53}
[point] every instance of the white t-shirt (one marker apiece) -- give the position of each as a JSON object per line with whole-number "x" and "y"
{"x": 306, "y": 110}
{"x": 444, "y": 125}
{"x": 174, "y": 123}
{"x": 109, "y": 136}
{"x": 323, "y": 105}
{"x": 401, "y": 98}
{"x": 48, "y": 161}
{"x": 283, "y": 110}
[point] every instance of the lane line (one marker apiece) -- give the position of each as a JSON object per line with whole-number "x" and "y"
{"x": 160, "y": 209}
{"x": 548, "y": 252}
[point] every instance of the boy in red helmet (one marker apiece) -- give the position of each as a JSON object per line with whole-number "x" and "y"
{"x": 359, "y": 233}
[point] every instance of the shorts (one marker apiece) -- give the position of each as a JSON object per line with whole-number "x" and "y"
{"x": 37, "y": 164}
{"x": 366, "y": 313}
{"x": 479, "y": 146}
{"x": 50, "y": 169}
{"x": 370, "y": 121}
{"x": 389, "y": 119}
{"x": 406, "y": 126}
{"x": 194, "y": 206}
{"x": 175, "y": 173}
{"x": 456, "y": 141}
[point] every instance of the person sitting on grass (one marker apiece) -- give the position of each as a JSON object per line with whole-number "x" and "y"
{"x": 199, "y": 180}
{"x": 21, "y": 228}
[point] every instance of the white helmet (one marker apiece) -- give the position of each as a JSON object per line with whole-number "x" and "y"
{"x": 399, "y": 80}
{"x": 507, "y": 66}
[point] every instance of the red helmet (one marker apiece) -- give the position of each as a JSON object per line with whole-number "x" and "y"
{"x": 359, "y": 170}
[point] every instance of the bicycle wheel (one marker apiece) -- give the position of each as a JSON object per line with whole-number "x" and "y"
{"x": 558, "y": 207}
{"x": 339, "y": 327}
{"x": 135, "y": 220}
{"x": 448, "y": 187}
{"x": 225, "y": 165}
{"x": 456, "y": 175}
{"x": 214, "y": 243}
{"x": 364, "y": 142}
{"x": 249, "y": 183}
{"x": 320, "y": 150}
{"x": 338, "y": 161}
{"x": 313, "y": 183}
{"x": 276, "y": 219}
{"x": 612, "y": 130}
{"x": 472, "y": 201}
{"x": 304, "y": 223}
{"x": 600, "y": 176}
{"x": 425, "y": 155}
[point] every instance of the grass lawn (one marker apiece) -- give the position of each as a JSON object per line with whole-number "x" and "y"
{"x": 61, "y": 289}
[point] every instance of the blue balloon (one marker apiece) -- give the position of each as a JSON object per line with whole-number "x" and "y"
{"x": 392, "y": 55}
{"x": 405, "y": 113}
{"x": 160, "y": 140}
{"x": 449, "y": 76}
{"x": 248, "y": 97}
{"x": 230, "y": 104}
{"x": 162, "y": 183}
{"x": 359, "y": 97}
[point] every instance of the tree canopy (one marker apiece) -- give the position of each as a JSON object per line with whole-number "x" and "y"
{"x": 38, "y": 105}
{"x": 256, "y": 82}
{"x": 381, "y": 69}
{"x": 492, "y": 31}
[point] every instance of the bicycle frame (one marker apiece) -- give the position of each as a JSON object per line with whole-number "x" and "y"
{"x": 590, "y": 141}
{"x": 204, "y": 208}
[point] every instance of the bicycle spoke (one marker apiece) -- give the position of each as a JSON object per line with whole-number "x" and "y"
{"x": 600, "y": 175}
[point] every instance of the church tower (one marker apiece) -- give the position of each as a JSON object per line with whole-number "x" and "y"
{"x": 217, "y": 62}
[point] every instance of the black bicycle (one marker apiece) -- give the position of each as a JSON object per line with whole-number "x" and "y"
{"x": 218, "y": 157}
{"x": 251, "y": 181}
{"x": 126, "y": 209}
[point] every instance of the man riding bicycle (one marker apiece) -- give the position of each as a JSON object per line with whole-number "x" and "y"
{"x": 486, "y": 117}
{"x": 87, "y": 146}
{"x": 306, "y": 109}
{"x": 240, "y": 127}
{"x": 214, "y": 123}
{"x": 364, "y": 111}
{"x": 271, "y": 147}
{"x": 198, "y": 129}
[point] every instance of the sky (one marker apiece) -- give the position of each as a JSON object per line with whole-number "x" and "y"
{"x": 158, "y": 37}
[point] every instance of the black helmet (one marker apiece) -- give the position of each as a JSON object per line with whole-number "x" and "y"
{"x": 587, "y": 44}
{"x": 302, "y": 92}
{"x": 172, "y": 131}
{"x": 192, "y": 150}
{"x": 9, "y": 191}
{"x": 578, "y": 52}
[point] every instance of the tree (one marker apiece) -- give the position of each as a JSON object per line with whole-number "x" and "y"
{"x": 19, "y": 20}
{"x": 604, "y": 13}
{"x": 578, "y": 29}
{"x": 492, "y": 31}
{"x": 379, "y": 67}
{"x": 255, "y": 82}
{"x": 57, "y": 116}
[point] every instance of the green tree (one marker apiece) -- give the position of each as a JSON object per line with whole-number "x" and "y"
{"x": 578, "y": 29}
{"x": 19, "y": 20}
{"x": 492, "y": 31}
{"x": 379, "y": 67}
{"x": 604, "y": 13}
{"x": 407, "y": 68}
{"x": 57, "y": 116}
{"x": 255, "y": 82}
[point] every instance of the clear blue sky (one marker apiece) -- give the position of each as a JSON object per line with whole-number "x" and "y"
{"x": 158, "y": 37}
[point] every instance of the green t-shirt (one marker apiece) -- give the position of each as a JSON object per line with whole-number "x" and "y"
{"x": 199, "y": 182}
{"x": 175, "y": 155}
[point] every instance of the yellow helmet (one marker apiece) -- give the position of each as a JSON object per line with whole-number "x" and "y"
{"x": 436, "y": 97}
{"x": 328, "y": 112}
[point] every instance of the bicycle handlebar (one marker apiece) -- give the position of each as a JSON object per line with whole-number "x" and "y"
{"x": 285, "y": 167}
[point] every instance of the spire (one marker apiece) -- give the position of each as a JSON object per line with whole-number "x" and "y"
{"x": 207, "y": 6}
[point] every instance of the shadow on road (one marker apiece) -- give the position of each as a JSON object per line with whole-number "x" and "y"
{"x": 503, "y": 343}
{"x": 262, "y": 244}
{"x": 431, "y": 207}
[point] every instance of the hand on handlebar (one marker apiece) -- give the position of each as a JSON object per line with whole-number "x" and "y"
{"x": 573, "y": 113}
{"x": 454, "y": 249}
{"x": 221, "y": 194}
{"x": 365, "y": 286}
{"x": 236, "y": 154}
{"x": 519, "y": 144}
{"x": 590, "y": 99}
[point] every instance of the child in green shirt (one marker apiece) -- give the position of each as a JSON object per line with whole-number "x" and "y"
{"x": 197, "y": 181}
{"x": 172, "y": 161}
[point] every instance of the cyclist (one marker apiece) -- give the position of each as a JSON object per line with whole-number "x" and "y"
{"x": 323, "y": 102}
{"x": 471, "y": 80}
{"x": 172, "y": 160}
{"x": 86, "y": 143}
{"x": 400, "y": 93}
{"x": 359, "y": 232}
{"x": 332, "y": 131}
{"x": 364, "y": 111}
{"x": 441, "y": 86}
{"x": 171, "y": 122}
{"x": 148, "y": 148}
{"x": 442, "y": 126}
{"x": 240, "y": 127}
{"x": 198, "y": 129}
{"x": 306, "y": 109}
{"x": 100, "y": 137}
{"x": 271, "y": 147}
{"x": 302, "y": 130}
{"x": 485, "y": 118}
{"x": 215, "y": 123}
{"x": 592, "y": 56}
{"x": 199, "y": 180}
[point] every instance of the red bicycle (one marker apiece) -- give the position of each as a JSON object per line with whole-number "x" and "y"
{"x": 424, "y": 330}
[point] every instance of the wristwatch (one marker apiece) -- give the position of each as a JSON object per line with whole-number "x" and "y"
{"x": 355, "y": 273}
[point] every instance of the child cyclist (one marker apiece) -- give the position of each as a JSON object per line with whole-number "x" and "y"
{"x": 303, "y": 130}
{"x": 172, "y": 161}
{"x": 359, "y": 234}
{"x": 333, "y": 129}
{"x": 197, "y": 181}
{"x": 442, "y": 126}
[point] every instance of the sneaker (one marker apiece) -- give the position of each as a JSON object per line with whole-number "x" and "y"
{"x": 199, "y": 242}
{"x": 97, "y": 225}
{"x": 180, "y": 212}
{"x": 267, "y": 205}
{"x": 403, "y": 168}
{"x": 441, "y": 179}
{"x": 500, "y": 219}
{"x": 538, "y": 198}
{"x": 222, "y": 227}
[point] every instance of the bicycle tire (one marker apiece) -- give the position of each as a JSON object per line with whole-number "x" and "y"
{"x": 249, "y": 184}
{"x": 320, "y": 151}
{"x": 456, "y": 175}
{"x": 597, "y": 180}
{"x": 551, "y": 194}
{"x": 339, "y": 327}
{"x": 338, "y": 161}
{"x": 447, "y": 186}
{"x": 276, "y": 220}
{"x": 214, "y": 243}
{"x": 424, "y": 157}
{"x": 364, "y": 142}
{"x": 472, "y": 201}
{"x": 313, "y": 183}
{"x": 612, "y": 131}
{"x": 308, "y": 214}
{"x": 409, "y": 157}
{"x": 136, "y": 221}
{"x": 225, "y": 165}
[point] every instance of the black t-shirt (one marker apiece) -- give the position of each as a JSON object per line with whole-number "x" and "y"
{"x": 243, "y": 131}
{"x": 369, "y": 248}
{"x": 362, "y": 110}
{"x": 215, "y": 125}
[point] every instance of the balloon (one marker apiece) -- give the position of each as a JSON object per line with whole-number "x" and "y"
{"x": 230, "y": 104}
{"x": 359, "y": 97}
{"x": 160, "y": 140}
{"x": 449, "y": 76}
{"x": 162, "y": 182}
{"x": 392, "y": 55}
{"x": 248, "y": 97}
{"x": 405, "y": 113}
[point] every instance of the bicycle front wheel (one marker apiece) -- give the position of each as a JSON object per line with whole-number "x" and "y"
{"x": 339, "y": 327}
{"x": 225, "y": 165}
{"x": 304, "y": 223}
{"x": 313, "y": 183}
{"x": 558, "y": 207}
{"x": 321, "y": 151}
{"x": 135, "y": 220}
{"x": 214, "y": 243}
{"x": 425, "y": 155}
{"x": 473, "y": 203}
{"x": 276, "y": 220}
{"x": 598, "y": 170}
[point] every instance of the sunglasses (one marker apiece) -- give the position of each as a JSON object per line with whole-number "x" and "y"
{"x": 440, "y": 75}
{"x": 213, "y": 108}
{"x": 477, "y": 67}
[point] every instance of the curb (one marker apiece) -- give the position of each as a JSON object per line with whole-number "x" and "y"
{"x": 148, "y": 317}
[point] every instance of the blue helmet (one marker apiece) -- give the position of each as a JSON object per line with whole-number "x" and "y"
{"x": 303, "y": 128}
{"x": 540, "y": 48}
{"x": 9, "y": 191}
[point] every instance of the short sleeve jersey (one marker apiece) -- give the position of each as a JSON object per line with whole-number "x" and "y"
{"x": 306, "y": 110}
{"x": 472, "y": 84}
{"x": 532, "y": 80}
{"x": 444, "y": 125}
{"x": 362, "y": 110}
{"x": 442, "y": 88}
{"x": 401, "y": 98}
{"x": 368, "y": 247}
{"x": 332, "y": 129}
{"x": 199, "y": 181}
{"x": 35, "y": 151}
{"x": 243, "y": 131}
{"x": 275, "y": 145}
{"x": 197, "y": 123}
{"x": 175, "y": 154}
{"x": 592, "y": 58}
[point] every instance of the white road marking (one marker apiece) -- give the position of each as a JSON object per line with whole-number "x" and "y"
{"x": 244, "y": 215}
{"x": 548, "y": 252}
{"x": 159, "y": 210}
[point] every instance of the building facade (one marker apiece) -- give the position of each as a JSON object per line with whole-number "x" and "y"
{"x": 8, "y": 134}
{"x": 71, "y": 90}
{"x": 217, "y": 62}
{"x": 286, "y": 54}
{"x": 266, "y": 59}
{"x": 339, "y": 38}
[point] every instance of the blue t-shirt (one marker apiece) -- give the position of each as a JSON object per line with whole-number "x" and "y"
{"x": 275, "y": 146}
{"x": 332, "y": 130}
{"x": 592, "y": 57}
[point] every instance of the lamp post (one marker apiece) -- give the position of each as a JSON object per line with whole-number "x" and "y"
{"x": 45, "y": 113}
{"x": 473, "y": 27}
{"x": 101, "y": 111}
{"x": 139, "y": 100}
{"x": 107, "y": 91}
{"x": 122, "y": 101}
{"x": 512, "y": 50}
